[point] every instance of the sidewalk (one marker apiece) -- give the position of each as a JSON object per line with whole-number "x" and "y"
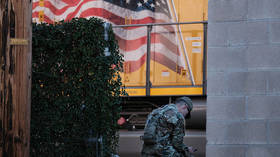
{"x": 130, "y": 144}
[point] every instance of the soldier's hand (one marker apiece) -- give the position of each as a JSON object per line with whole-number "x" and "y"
{"x": 191, "y": 149}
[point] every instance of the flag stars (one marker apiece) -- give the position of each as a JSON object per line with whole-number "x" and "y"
{"x": 157, "y": 3}
{"x": 146, "y": 4}
{"x": 139, "y": 4}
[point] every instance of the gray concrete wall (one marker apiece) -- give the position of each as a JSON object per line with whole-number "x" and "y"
{"x": 243, "y": 103}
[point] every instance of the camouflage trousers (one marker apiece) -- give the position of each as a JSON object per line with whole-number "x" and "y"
{"x": 166, "y": 151}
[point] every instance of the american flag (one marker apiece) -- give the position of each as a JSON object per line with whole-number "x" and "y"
{"x": 165, "y": 45}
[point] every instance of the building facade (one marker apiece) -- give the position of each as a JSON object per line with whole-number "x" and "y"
{"x": 243, "y": 71}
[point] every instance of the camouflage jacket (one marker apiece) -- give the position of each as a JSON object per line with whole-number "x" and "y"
{"x": 169, "y": 132}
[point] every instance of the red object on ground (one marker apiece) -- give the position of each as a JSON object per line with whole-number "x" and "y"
{"x": 121, "y": 121}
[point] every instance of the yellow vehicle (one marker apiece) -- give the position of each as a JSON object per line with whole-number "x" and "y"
{"x": 175, "y": 64}
{"x": 163, "y": 43}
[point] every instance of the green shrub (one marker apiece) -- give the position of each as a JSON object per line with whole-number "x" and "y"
{"x": 75, "y": 89}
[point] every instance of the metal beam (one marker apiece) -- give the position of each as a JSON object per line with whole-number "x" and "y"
{"x": 157, "y": 24}
{"x": 148, "y": 59}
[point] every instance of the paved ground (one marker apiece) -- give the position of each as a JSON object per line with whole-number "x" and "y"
{"x": 130, "y": 144}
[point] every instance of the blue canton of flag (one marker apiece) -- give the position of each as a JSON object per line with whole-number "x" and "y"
{"x": 160, "y": 6}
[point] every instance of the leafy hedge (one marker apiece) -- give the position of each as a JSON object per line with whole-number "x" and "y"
{"x": 75, "y": 89}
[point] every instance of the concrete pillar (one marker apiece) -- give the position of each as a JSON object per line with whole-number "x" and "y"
{"x": 243, "y": 80}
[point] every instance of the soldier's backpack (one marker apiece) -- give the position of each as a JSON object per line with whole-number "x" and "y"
{"x": 150, "y": 130}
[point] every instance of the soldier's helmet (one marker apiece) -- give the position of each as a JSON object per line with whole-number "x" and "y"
{"x": 187, "y": 100}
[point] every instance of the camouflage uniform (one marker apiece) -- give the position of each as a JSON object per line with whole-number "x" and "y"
{"x": 169, "y": 133}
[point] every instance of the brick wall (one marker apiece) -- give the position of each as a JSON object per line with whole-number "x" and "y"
{"x": 243, "y": 114}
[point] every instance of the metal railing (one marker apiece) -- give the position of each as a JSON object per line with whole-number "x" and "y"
{"x": 148, "y": 56}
